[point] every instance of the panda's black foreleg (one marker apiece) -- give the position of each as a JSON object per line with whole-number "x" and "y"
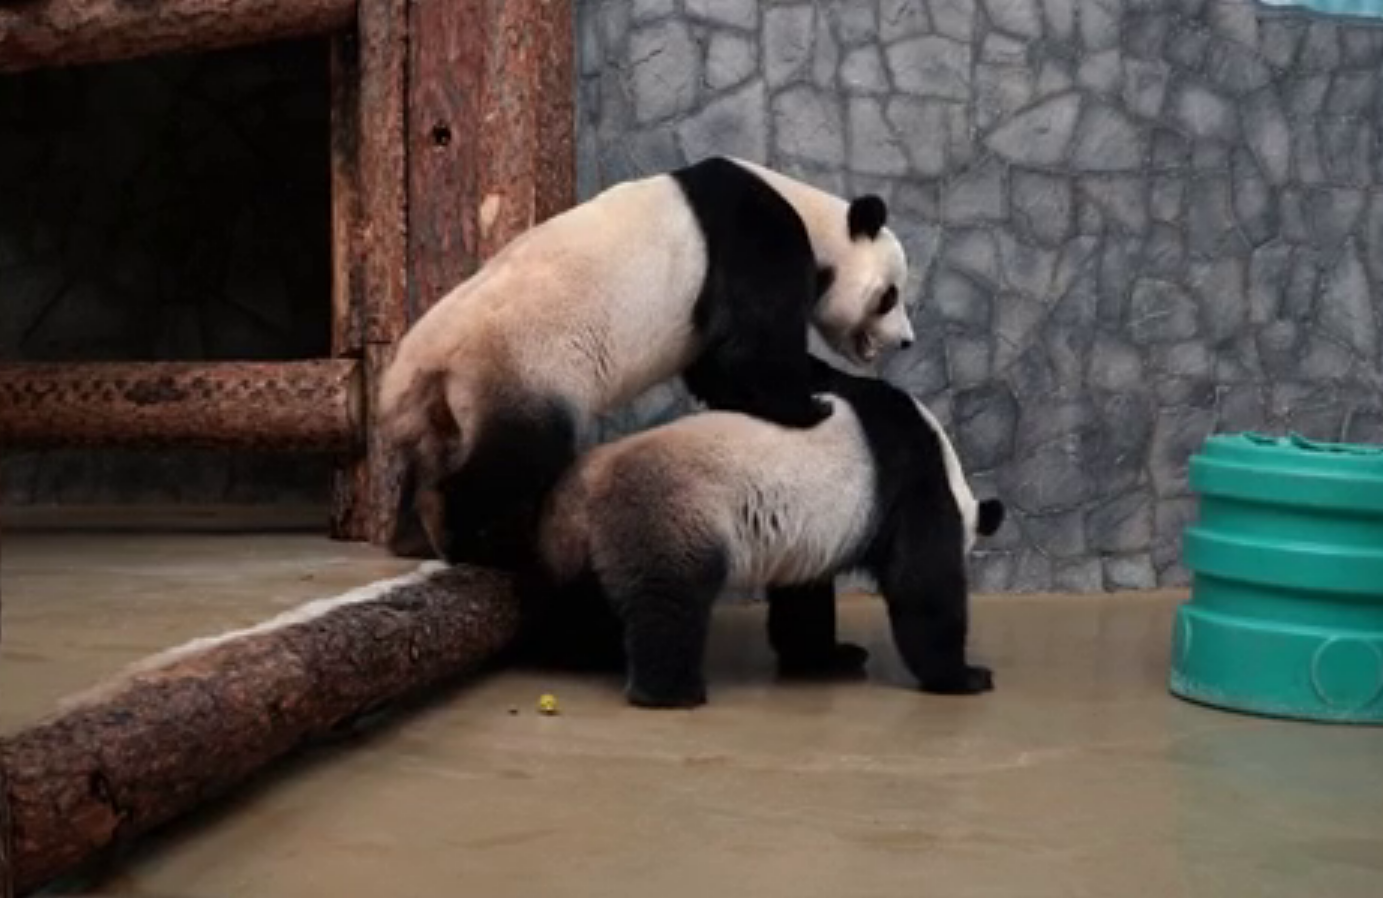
{"x": 756, "y": 359}
{"x": 764, "y": 381}
{"x": 925, "y": 588}
{"x": 802, "y": 631}
{"x": 665, "y": 604}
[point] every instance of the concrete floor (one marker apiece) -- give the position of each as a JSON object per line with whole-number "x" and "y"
{"x": 1078, "y": 776}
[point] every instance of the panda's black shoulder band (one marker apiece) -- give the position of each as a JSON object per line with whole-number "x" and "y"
{"x": 867, "y": 216}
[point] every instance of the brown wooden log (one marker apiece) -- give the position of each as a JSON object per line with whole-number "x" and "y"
{"x": 528, "y": 144}
{"x": 488, "y": 152}
{"x": 365, "y": 494}
{"x": 307, "y": 406}
{"x": 383, "y": 241}
{"x": 6, "y": 828}
{"x": 6, "y": 839}
{"x": 156, "y": 743}
{"x": 491, "y": 132}
{"x": 347, "y": 275}
{"x": 370, "y": 240}
{"x": 491, "y": 148}
{"x": 69, "y": 32}
{"x": 351, "y": 474}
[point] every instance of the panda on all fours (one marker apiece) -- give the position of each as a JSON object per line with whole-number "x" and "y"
{"x": 713, "y": 272}
{"x": 644, "y": 533}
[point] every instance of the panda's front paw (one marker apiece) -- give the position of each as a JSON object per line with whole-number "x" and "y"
{"x": 968, "y": 680}
{"x": 844, "y": 660}
{"x": 818, "y": 409}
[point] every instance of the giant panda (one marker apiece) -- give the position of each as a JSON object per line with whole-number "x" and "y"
{"x": 713, "y": 271}
{"x": 660, "y": 523}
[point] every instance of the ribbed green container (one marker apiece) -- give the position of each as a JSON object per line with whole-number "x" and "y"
{"x": 1286, "y": 609}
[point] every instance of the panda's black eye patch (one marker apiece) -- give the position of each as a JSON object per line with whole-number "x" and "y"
{"x": 888, "y": 300}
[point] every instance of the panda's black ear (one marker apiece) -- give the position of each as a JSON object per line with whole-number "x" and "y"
{"x": 991, "y": 517}
{"x": 867, "y": 216}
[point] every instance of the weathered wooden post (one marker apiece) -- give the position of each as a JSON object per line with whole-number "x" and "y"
{"x": 6, "y": 827}
{"x": 447, "y": 145}
{"x": 452, "y": 131}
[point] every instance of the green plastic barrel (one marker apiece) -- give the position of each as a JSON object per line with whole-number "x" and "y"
{"x": 1286, "y": 558}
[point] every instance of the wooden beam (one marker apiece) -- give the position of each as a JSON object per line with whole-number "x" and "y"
{"x": 6, "y": 839}
{"x": 347, "y": 262}
{"x": 382, "y": 234}
{"x": 350, "y": 479}
{"x": 307, "y": 406}
{"x": 370, "y": 247}
{"x": 6, "y": 824}
{"x": 186, "y": 727}
{"x": 528, "y": 145}
{"x": 366, "y": 492}
{"x": 69, "y": 32}
{"x": 491, "y": 152}
{"x": 466, "y": 138}
{"x": 491, "y": 132}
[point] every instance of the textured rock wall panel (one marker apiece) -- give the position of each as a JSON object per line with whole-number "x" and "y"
{"x": 1131, "y": 223}
{"x": 169, "y": 208}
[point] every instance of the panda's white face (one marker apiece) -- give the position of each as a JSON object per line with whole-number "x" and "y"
{"x": 862, "y": 314}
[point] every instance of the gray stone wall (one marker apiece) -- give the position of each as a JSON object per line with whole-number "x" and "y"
{"x": 1131, "y": 223}
{"x": 167, "y": 208}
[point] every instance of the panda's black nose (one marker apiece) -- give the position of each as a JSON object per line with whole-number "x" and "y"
{"x": 906, "y": 344}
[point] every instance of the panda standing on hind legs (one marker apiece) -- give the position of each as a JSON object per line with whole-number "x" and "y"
{"x": 660, "y": 523}
{"x": 714, "y": 272}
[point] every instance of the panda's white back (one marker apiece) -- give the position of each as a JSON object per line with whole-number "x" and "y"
{"x": 786, "y": 504}
{"x": 611, "y": 279}
{"x": 805, "y": 504}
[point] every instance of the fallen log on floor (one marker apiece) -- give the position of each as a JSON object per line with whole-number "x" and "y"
{"x": 6, "y": 869}
{"x": 187, "y": 725}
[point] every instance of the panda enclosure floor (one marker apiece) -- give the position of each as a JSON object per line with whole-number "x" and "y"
{"x": 1079, "y": 776}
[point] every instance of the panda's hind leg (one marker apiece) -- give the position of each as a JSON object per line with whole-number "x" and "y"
{"x": 927, "y": 595}
{"x": 494, "y": 501}
{"x": 568, "y": 626}
{"x": 664, "y": 595}
{"x": 802, "y": 631}
{"x": 666, "y": 623}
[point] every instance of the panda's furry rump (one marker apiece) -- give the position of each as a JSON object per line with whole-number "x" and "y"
{"x": 419, "y": 420}
{"x": 478, "y": 494}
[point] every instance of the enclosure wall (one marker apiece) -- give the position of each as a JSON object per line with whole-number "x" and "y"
{"x": 1131, "y": 223}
